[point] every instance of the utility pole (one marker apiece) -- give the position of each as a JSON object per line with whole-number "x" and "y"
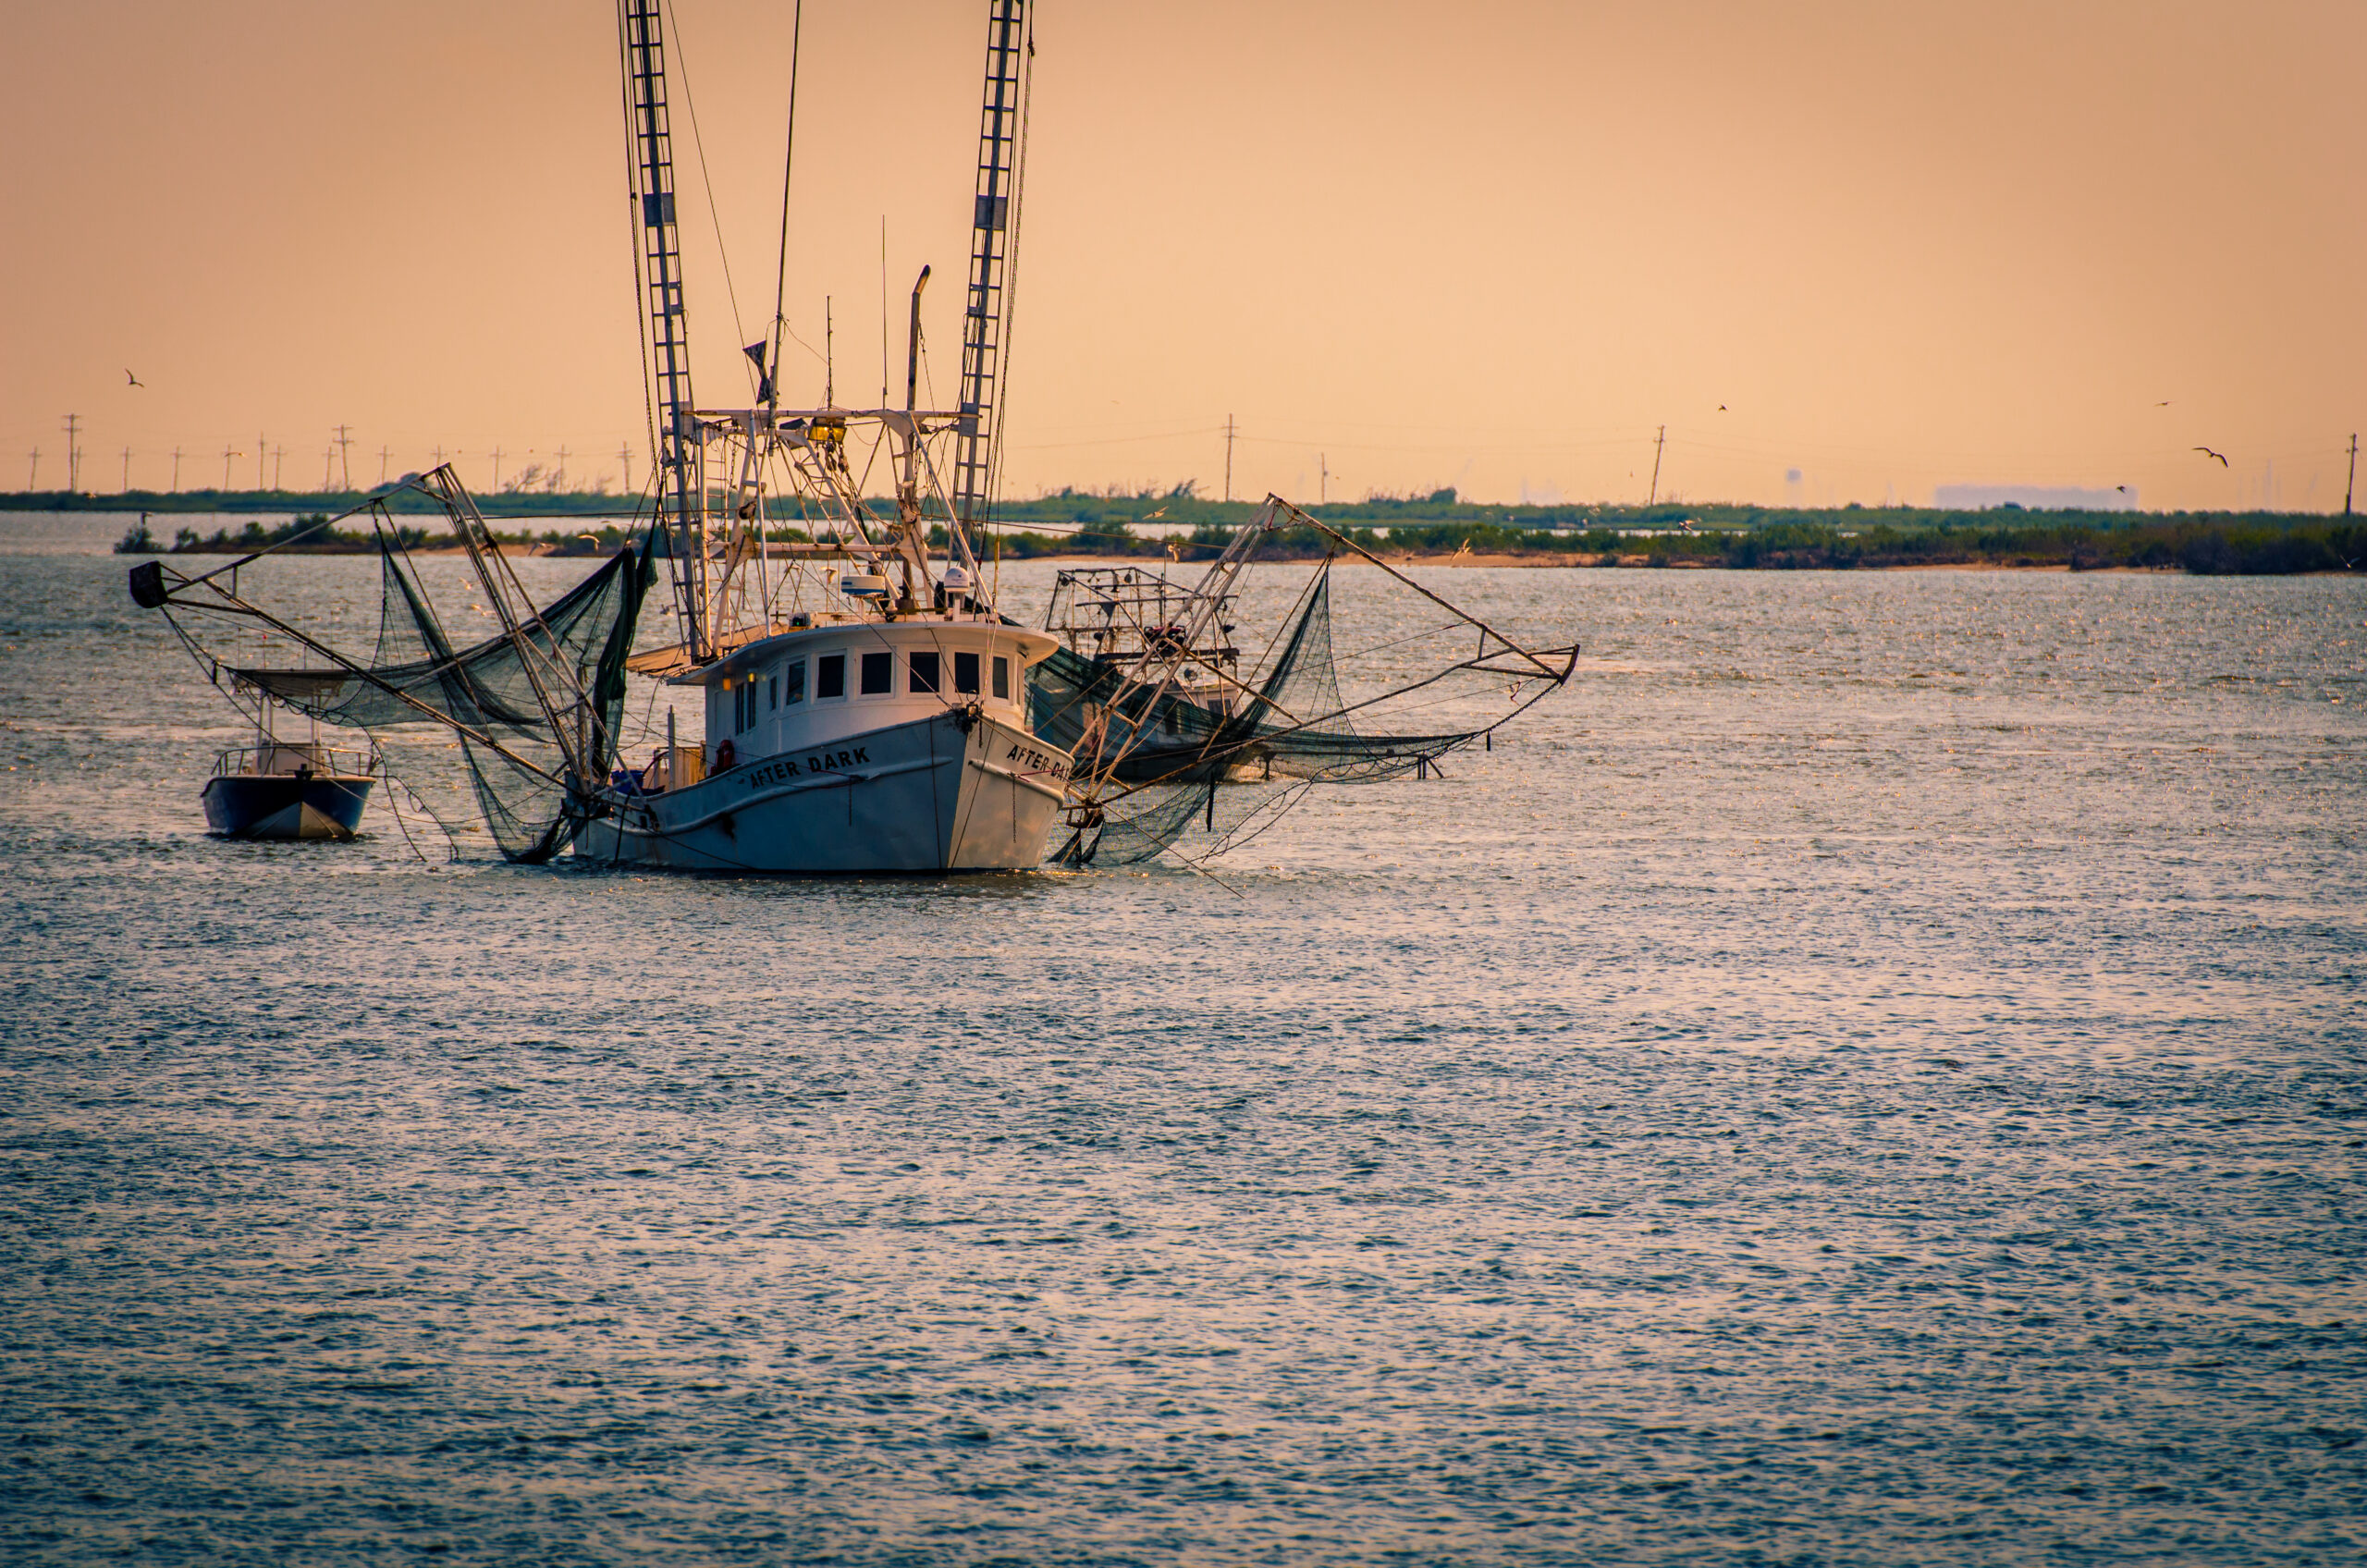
{"x": 497, "y": 470}
{"x": 278, "y": 456}
{"x": 1228, "y": 457}
{"x": 345, "y": 456}
{"x": 73, "y": 452}
{"x": 624, "y": 456}
{"x": 34, "y": 482}
{"x": 1658, "y": 442}
{"x": 1322, "y": 484}
{"x": 228, "y": 452}
{"x": 384, "y": 453}
{"x": 329, "y": 467}
{"x": 177, "y": 470}
{"x": 125, "y": 488}
{"x": 262, "y": 451}
{"x": 559, "y": 478}
{"x": 2351, "y": 483}
{"x": 438, "y": 453}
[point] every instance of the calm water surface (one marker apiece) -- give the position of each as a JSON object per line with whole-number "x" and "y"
{"x": 1872, "y": 1074}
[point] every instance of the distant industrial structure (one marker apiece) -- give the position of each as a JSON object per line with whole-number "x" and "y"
{"x": 2034, "y": 497}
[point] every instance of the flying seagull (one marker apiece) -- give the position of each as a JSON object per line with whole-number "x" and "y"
{"x": 2163, "y": 404}
{"x": 133, "y": 379}
{"x": 2122, "y": 488}
{"x": 1722, "y": 408}
{"x": 2209, "y": 453}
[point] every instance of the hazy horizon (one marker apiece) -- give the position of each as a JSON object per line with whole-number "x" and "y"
{"x": 1843, "y": 252}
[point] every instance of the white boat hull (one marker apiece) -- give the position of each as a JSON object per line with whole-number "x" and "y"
{"x": 956, "y": 792}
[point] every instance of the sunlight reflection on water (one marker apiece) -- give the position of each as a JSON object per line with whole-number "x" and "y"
{"x": 1871, "y": 1074}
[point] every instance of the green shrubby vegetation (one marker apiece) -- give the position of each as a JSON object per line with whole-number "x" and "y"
{"x": 302, "y": 533}
{"x": 1179, "y": 523}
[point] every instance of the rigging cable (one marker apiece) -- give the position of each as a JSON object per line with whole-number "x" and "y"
{"x": 788, "y": 167}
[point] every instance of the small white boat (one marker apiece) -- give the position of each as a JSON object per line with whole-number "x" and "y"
{"x": 278, "y": 788}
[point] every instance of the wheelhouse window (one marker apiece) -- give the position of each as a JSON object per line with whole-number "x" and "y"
{"x": 965, "y": 674}
{"x": 878, "y": 674}
{"x": 792, "y": 681}
{"x": 1002, "y": 678}
{"x": 922, "y": 672}
{"x": 829, "y": 677}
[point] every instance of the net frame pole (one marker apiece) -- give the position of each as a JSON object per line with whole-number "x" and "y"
{"x": 234, "y": 605}
{"x": 469, "y": 523}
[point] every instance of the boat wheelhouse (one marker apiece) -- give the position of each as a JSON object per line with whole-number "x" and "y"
{"x": 848, "y": 746}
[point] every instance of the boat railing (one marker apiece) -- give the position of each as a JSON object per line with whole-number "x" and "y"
{"x": 671, "y": 768}
{"x": 280, "y": 757}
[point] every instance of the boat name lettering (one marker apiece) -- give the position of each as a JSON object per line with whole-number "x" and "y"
{"x": 1038, "y": 762}
{"x": 781, "y": 770}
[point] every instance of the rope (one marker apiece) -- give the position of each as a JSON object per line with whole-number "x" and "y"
{"x": 396, "y": 811}
{"x": 788, "y": 167}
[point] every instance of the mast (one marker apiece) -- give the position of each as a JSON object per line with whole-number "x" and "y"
{"x": 997, "y": 204}
{"x": 661, "y": 258}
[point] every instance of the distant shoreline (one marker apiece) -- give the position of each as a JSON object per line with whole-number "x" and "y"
{"x": 1438, "y": 529}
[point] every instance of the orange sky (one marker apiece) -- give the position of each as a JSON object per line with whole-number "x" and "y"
{"x": 1489, "y": 245}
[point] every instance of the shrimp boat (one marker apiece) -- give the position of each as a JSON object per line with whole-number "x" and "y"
{"x": 278, "y": 788}
{"x": 852, "y": 743}
{"x": 864, "y": 707}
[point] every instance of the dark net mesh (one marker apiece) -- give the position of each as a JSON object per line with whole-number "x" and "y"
{"x": 477, "y": 733}
{"x": 1175, "y": 767}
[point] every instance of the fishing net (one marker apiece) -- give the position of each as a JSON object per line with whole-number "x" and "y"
{"x": 1181, "y": 767}
{"x": 482, "y": 734}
